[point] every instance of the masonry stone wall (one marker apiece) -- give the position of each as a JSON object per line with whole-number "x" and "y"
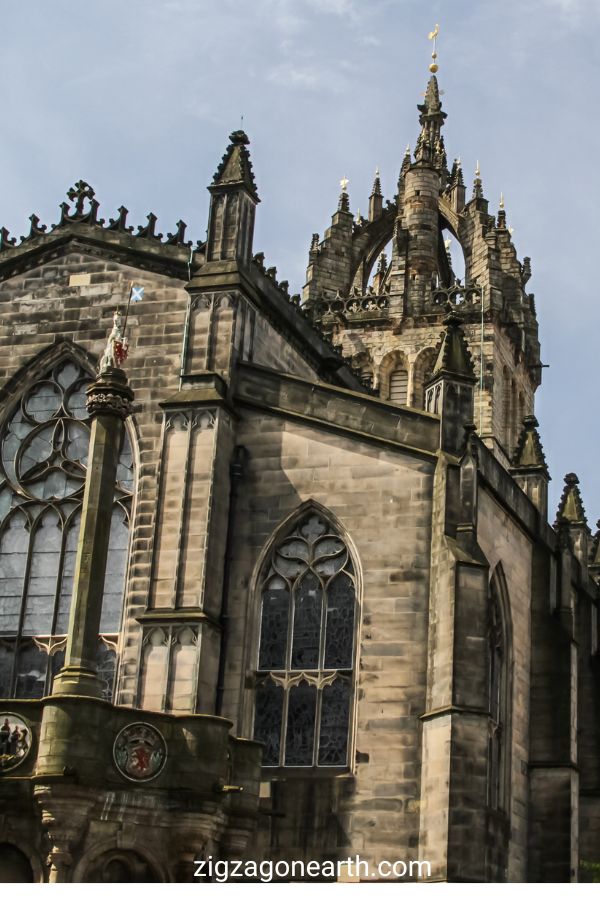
{"x": 505, "y": 544}
{"x": 382, "y": 501}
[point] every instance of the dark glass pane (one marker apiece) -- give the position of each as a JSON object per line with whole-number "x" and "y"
{"x": 300, "y": 735}
{"x": 274, "y": 625}
{"x": 116, "y": 564}
{"x": 13, "y": 557}
{"x": 307, "y": 623}
{"x": 339, "y": 639}
{"x": 267, "y": 721}
{"x": 41, "y": 586}
{"x": 68, "y": 571}
{"x": 31, "y": 672}
{"x": 107, "y": 660}
{"x": 7, "y": 657}
{"x": 43, "y": 401}
{"x": 333, "y": 740}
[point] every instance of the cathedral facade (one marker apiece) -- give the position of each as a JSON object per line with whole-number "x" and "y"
{"x": 277, "y": 576}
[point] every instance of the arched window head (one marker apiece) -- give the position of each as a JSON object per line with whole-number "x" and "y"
{"x": 499, "y": 657}
{"x": 306, "y": 653}
{"x": 44, "y": 444}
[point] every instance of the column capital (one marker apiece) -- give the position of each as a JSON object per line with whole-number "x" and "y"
{"x": 110, "y": 394}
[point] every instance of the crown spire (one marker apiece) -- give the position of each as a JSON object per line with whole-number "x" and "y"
{"x": 431, "y": 118}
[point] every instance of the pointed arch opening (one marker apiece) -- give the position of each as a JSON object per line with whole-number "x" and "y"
{"x": 44, "y": 440}
{"x": 307, "y": 590}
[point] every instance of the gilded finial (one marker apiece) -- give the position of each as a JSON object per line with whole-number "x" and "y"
{"x": 433, "y": 37}
{"x": 477, "y": 170}
{"x": 344, "y": 184}
{"x": 357, "y": 220}
{"x": 501, "y": 200}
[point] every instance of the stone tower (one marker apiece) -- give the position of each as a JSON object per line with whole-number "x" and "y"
{"x": 380, "y": 287}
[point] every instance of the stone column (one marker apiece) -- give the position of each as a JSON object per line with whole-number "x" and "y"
{"x": 109, "y": 403}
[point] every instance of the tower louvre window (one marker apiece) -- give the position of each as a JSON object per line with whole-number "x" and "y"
{"x": 306, "y": 652}
{"x": 399, "y": 387}
{"x": 43, "y": 459}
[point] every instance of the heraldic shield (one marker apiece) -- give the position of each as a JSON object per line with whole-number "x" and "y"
{"x": 139, "y": 752}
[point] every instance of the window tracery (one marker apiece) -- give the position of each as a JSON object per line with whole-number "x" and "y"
{"x": 43, "y": 457}
{"x": 306, "y": 651}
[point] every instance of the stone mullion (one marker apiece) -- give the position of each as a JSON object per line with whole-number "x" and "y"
{"x": 61, "y": 562}
{"x": 26, "y": 574}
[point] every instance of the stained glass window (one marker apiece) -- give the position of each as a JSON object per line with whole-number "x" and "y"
{"x": 498, "y": 698}
{"x": 43, "y": 457}
{"x": 306, "y": 652}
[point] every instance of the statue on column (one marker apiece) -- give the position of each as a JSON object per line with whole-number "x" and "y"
{"x": 117, "y": 346}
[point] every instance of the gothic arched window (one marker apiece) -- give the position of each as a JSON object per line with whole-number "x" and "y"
{"x": 306, "y": 654}
{"x": 43, "y": 458}
{"x": 498, "y": 694}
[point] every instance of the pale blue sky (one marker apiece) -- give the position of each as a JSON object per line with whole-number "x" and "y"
{"x": 138, "y": 98}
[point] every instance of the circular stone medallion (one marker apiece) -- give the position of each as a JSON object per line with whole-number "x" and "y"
{"x": 139, "y": 751}
{"x": 15, "y": 741}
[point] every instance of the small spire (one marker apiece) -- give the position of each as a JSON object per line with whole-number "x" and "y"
{"x": 453, "y": 355}
{"x": 344, "y": 201}
{"x": 236, "y": 167}
{"x": 456, "y": 175}
{"x": 501, "y": 214}
{"x": 375, "y": 198}
{"x": 376, "y": 189}
{"x": 529, "y": 453}
{"x": 431, "y": 119}
{"x": 570, "y": 508}
{"x": 406, "y": 159}
{"x": 477, "y": 184}
{"x": 380, "y": 273}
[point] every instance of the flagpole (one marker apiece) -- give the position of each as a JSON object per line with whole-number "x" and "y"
{"x": 127, "y": 307}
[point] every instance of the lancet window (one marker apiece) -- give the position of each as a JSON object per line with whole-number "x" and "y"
{"x": 307, "y": 648}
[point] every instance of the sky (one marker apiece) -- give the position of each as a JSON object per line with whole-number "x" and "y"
{"x": 139, "y": 98}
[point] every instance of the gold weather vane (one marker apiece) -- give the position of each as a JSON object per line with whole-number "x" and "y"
{"x": 344, "y": 184}
{"x": 433, "y": 37}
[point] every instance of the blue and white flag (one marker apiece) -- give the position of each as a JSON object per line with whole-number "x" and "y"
{"x": 137, "y": 293}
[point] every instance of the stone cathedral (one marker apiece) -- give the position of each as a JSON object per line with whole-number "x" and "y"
{"x": 277, "y": 574}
